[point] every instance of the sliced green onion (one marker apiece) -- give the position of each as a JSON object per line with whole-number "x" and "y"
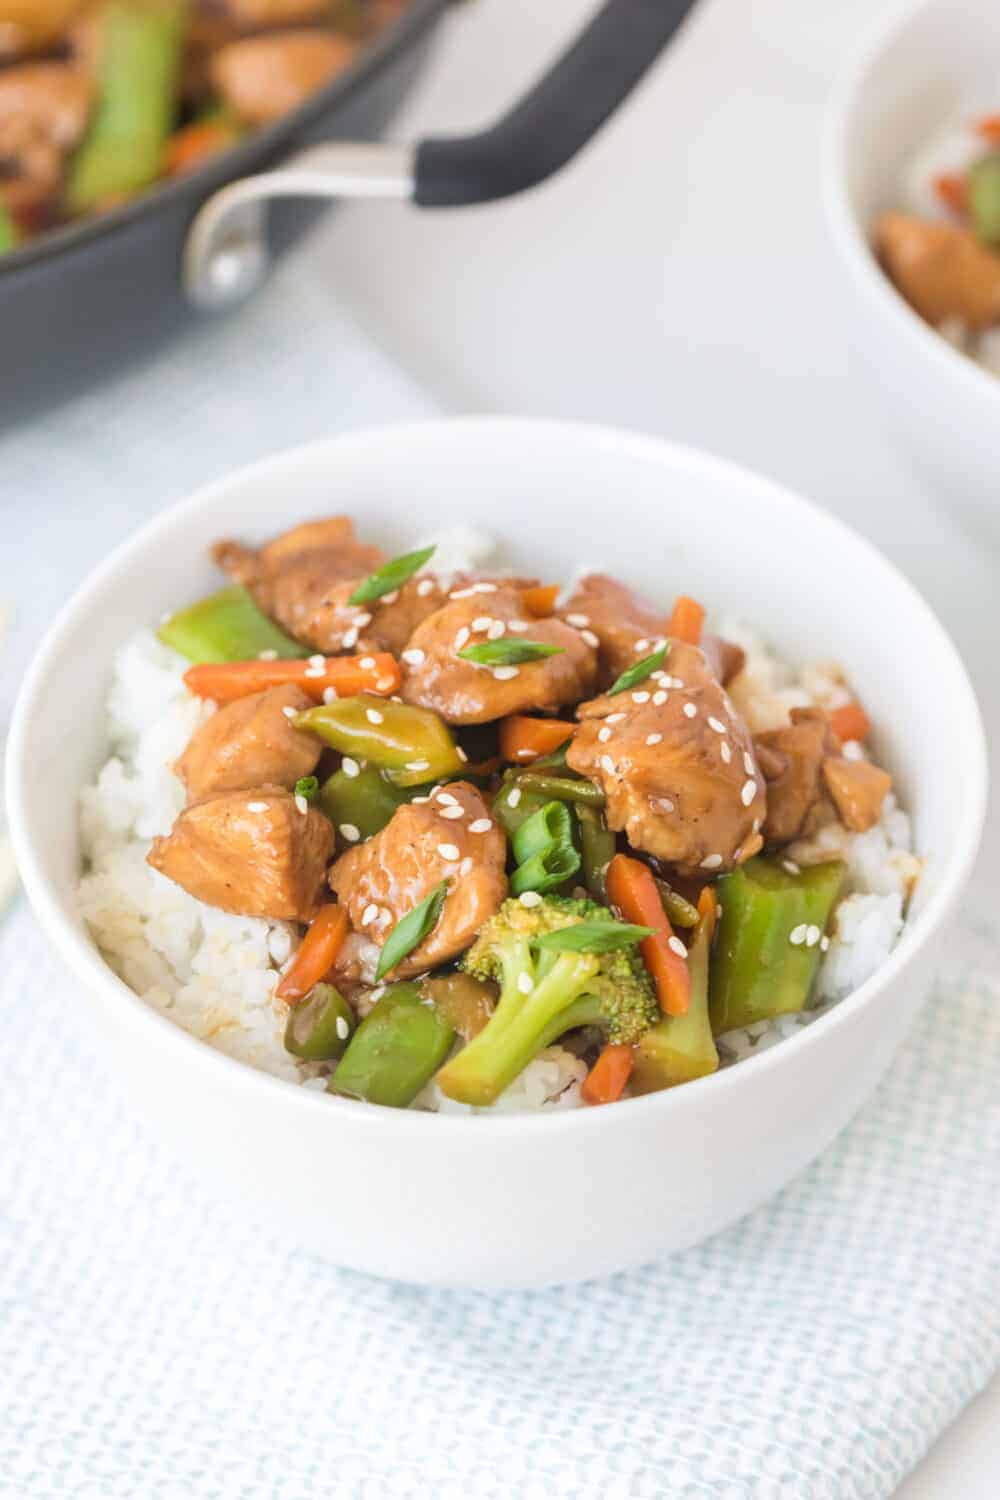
{"x": 391, "y": 575}
{"x": 593, "y": 937}
{"x": 639, "y": 671}
{"x": 307, "y": 787}
{"x": 508, "y": 651}
{"x": 546, "y": 870}
{"x": 410, "y": 931}
{"x": 551, "y": 824}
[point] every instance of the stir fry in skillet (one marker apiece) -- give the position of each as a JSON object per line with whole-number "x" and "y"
{"x": 497, "y": 828}
{"x": 99, "y": 99}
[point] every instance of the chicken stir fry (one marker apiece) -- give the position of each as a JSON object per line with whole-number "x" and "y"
{"x": 99, "y": 99}
{"x": 501, "y": 816}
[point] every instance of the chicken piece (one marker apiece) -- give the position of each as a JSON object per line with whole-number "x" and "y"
{"x": 449, "y": 836}
{"x": 28, "y": 26}
{"x": 941, "y": 269}
{"x": 250, "y": 742}
{"x": 858, "y": 789}
{"x": 43, "y": 114}
{"x": 677, "y": 766}
{"x": 791, "y": 759}
{"x": 261, "y": 78}
{"x": 249, "y": 852}
{"x": 463, "y": 692}
{"x": 725, "y": 658}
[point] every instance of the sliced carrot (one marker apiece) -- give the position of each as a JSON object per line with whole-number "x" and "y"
{"x": 631, "y": 888}
{"x": 686, "y": 620}
{"x": 524, "y": 739}
{"x": 850, "y": 722}
{"x": 607, "y": 1078}
{"x": 316, "y": 954}
{"x": 708, "y": 909}
{"x": 226, "y": 680}
{"x": 953, "y": 191}
{"x": 188, "y": 147}
{"x": 989, "y": 128}
{"x": 541, "y": 600}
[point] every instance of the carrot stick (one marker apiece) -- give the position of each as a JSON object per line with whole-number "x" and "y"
{"x": 226, "y": 680}
{"x": 989, "y": 128}
{"x": 953, "y": 191}
{"x": 686, "y": 621}
{"x": 524, "y": 739}
{"x": 708, "y": 909}
{"x": 607, "y": 1078}
{"x": 631, "y": 888}
{"x": 314, "y": 960}
{"x": 193, "y": 144}
{"x": 850, "y": 722}
{"x": 541, "y": 600}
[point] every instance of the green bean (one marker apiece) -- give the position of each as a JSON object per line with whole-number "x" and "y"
{"x": 562, "y": 788}
{"x": 680, "y": 911}
{"x": 227, "y": 626}
{"x": 398, "y": 1047}
{"x": 411, "y": 745}
{"x": 141, "y": 54}
{"x": 597, "y": 848}
{"x": 320, "y": 1026}
{"x": 8, "y": 230}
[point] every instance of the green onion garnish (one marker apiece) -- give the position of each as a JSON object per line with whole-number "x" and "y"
{"x": 410, "y": 931}
{"x": 508, "y": 651}
{"x": 639, "y": 671}
{"x": 546, "y": 870}
{"x": 307, "y": 787}
{"x": 391, "y": 575}
{"x": 593, "y": 937}
{"x": 551, "y": 824}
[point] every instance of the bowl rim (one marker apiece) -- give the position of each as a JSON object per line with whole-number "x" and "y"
{"x": 85, "y": 961}
{"x": 851, "y": 237}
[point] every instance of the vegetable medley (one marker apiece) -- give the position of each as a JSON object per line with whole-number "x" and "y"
{"x": 101, "y": 98}
{"x": 501, "y": 817}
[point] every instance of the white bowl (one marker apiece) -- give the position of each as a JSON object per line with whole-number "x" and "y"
{"x": 531, "y": 1199}
{"x": 923, "y": 71}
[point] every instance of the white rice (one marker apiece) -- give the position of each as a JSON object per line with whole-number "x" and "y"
{"x": 215, "y": 974}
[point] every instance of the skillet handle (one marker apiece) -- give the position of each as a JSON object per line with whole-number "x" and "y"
{"x": 560, "y": 114}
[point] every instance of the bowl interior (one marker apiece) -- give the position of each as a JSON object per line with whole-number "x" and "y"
{"x": 557, "y": 495}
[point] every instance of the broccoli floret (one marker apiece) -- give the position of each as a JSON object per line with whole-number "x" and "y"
{"x": 544, "y": 993}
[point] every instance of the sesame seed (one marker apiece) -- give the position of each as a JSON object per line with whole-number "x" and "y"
{"x": 495, "y": 630}
{"x": 530, "y": 898}
{"x": 653, "y": 739}
{"x": 791, "y": 867}
{"x": 676, "y": 946}
{"x": 604, "y": 735}
{"x": 366, "y": 663}
{"x": 519, "y": 626}
{"x": 461, "y": 593}
{"x": 452, "y": 812}
{"x": 813, "y": 936}
{"x": 350, "y": 639}
{"x": 480, "y": 825}
{"x": 268, "y": 655}
{"x": 524, "y": 983}
{"x": 725, "y": 751}
{"x": 690, "y": 711}
{"x": 329, "y": 695}
{"x": 590, "y": 638}
{"x": 514, "y": 797}
{"x": 349, "y": 832}
{"x": 369, "y": 914}
{"x": 343, "y": 1030}
{"x": 797, "y": 936}
{"x": 614, "y": 718}
{"x": 390, "y": 597}
{"x": 424, "y": 587}
{"x": 414, "y": 657}
{"x": 319, "y": 660}
{"x": 465, "y": 868}
{"x": 852, "y": 750}
{"x": 661, "y": 676}
{"x": 580, "y": 621}
{"x": 749, "y": 792}
{"x": 449, "y": 851}
{"x": 659, "y": 698}
{"x": 484, "y": 588}
{"x": 641, "y": 697}
{"x": 748, "y": 764}
{"x": 482, "y": 623}
{"x": 289, "y": 712}
{"x": 421, "y": 800}
{"x": 445, "y": 798}
{"x": 717, "y": 725}
{"x": 718, "y": 912}
{"x": 505, "y": 674}
{"x": 756, "y": 825}
{"x": 374, "y": 716}
{"x": 301, "y": 804}
{"x": 314, "y": 672}
{"x": 641, "y": 647}
{"x": 824, "y": 944}
{"x": 664, "y": 804}
{"x": 461, "y": 754}
{"x": 711, "y": 862}
{"x": 363, "y": 619}
{"x": 418, "y": 765}
{"x": 383, "y": 684}
{"x": 462, "y": 638}
{"x": 349, "y": 766}
{"x": 256, "y": 807}
{"x": 607, "y": 764}
{"x": 659, "y": 643}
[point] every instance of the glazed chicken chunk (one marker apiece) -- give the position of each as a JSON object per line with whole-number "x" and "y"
{"x": 450, "y": 836}
{"x": 435, "y": 676}
{"x": 250, "y": 742}
{"x": 942, "y": 270}
{"x": 858, "y": 789}
{"x": 261, "y": 78}
{"x": 44, "y": 107}
{"x": 254, "y": 853}
{"x": 677, "y": 766}
{"x": 791, "y": 759}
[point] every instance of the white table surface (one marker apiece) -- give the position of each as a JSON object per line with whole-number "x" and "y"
{"x": 677, "y": 278}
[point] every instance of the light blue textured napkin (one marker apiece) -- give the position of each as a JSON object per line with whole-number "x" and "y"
{"x": 151, "y": 1344}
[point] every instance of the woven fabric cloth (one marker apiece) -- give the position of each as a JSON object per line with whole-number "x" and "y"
{"x": 152, "y": 1344}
